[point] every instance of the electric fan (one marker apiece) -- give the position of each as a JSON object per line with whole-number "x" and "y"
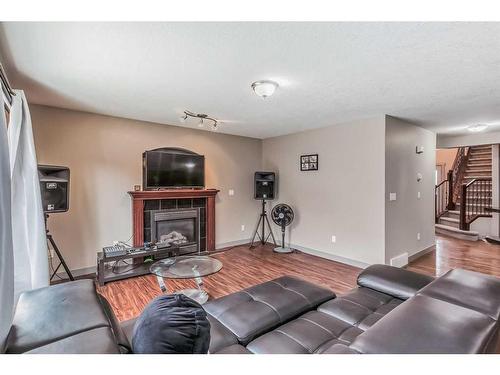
{"x": 282, "y": 215}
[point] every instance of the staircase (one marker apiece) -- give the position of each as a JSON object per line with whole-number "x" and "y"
{"x": 478, "y": 195}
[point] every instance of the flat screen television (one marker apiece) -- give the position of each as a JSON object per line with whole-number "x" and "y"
{"x": 171, "y": 168}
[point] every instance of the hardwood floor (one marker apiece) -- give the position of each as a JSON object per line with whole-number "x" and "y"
{"x": 244, "y": 267}
{"x": 449, "y": 253}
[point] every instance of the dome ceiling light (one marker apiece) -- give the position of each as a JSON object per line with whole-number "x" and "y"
{"x": 477, "y": 128}
{"x": 264, "y": 88}
{"x": 202, "y": 119}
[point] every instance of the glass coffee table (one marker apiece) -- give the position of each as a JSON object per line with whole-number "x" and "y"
{"x": 186, "y": 267}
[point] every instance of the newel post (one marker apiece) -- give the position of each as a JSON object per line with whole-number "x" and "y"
{"x": 451, "y": 204}
{"x": 463, "y": 208}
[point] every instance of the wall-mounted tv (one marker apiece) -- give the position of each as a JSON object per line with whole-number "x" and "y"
{"x": 173, "y": 168}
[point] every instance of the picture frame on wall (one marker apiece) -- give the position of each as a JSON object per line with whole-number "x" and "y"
{"x": 309, "y": 162}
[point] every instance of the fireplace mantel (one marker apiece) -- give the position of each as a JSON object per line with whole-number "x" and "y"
{"x": 138, "y": 198}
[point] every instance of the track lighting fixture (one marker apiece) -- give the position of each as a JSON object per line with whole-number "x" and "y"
{"x": 202, "y": 119}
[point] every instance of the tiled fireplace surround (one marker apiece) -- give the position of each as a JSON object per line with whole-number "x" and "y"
{"x": 144, "y": 203}
{"x": 175, "y": 204}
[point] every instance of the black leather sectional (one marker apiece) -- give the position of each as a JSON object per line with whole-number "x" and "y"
{"x": 391, "y": 311}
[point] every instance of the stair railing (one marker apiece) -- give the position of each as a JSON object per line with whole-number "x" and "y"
{"x": 443, "y": 196}
{"x": 459, "y": 167}
{"x": 475, "y": 197}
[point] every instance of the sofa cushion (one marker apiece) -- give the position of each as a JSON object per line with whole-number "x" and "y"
{"x": 469, "y": 289}
{"x": 46, "y": 315}
{"x": 361, "y": 307}
{"x": 340, "y": 349}
{"x": 220, "y": 336}
{"x": 258, "y": 309}
{"x": 338, "y": 321}
{"x": 424, "y": 325}
{"x": 234, "y": 349}
{"x": 95, "y": 341}
{"x": 120, "y": 336}
{"x": 304, "y": 335}
{"x": 397, "y": 282}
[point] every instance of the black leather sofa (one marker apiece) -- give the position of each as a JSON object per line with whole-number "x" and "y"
{"x": 391, "y": 311}
{"x": 66, "y": 318}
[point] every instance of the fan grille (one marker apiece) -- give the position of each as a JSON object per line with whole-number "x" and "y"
{"x": 282, "y": 214}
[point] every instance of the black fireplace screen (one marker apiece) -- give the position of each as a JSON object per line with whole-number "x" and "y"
{"x": 178, "y": 227}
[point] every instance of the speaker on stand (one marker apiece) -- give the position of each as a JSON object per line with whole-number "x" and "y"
{"x": 54, "y": 187}
{"x": 264, "y": 188}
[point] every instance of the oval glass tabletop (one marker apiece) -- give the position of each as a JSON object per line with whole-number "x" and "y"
{"x": 186, "y": 267}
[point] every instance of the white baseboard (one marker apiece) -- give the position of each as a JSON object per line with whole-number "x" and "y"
{"x": 422, "y": 252}
{"x": 329, "y": 256}
{"x": 400, "y": 260}
{"x": 232, "y": 243}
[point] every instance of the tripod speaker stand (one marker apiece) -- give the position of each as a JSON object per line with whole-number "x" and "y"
{"x": 261, "y": 224}
{"x": 62, "y": 262}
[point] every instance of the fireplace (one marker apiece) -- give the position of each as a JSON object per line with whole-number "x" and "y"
{"x": 144, "y": 203}
{"x": 179, "y": 227}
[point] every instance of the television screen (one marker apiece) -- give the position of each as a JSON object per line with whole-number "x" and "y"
{"x": 173, "y": 170}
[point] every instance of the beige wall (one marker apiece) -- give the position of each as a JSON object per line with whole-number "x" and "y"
{"x": 446, "y": 157}
{"x": 345, "y": 197}
{"x": 408, "y": 214}
{"x": 104, "y": 155}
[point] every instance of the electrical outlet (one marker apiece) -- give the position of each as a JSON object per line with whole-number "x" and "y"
{"x": 231, "y": 192}
{"x": 418, "y": 236}
{"x": 418, "y": 195}
{"x": 242, "y": 227}
{"x": 334, "y": 239}
{"x": 392, "y": 196}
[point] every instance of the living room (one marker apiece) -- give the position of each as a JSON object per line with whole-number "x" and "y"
{"x": 201, "y": 187}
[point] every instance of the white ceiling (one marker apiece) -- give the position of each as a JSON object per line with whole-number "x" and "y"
{"x": 442, "y": 76}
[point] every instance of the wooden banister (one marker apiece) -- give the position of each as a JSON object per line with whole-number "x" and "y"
{"x": 459, "y": 167}
{"x": 475, "y": 199}
{"x": 442, "y": 193}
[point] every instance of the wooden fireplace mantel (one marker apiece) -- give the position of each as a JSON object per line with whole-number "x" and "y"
{"x": 138, "y": 198}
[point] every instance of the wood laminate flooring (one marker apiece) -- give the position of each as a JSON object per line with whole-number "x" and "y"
{"x": 449, "y": 253}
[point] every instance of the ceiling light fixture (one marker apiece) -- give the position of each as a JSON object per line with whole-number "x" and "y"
{"x": 264, "y": 88}
{"x": 477, "y": 128}
{"x": 202, "y": 119}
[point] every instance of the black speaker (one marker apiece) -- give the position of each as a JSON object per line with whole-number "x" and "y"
{"x": 265, "y": 185}
{"x": 54, "y": 186}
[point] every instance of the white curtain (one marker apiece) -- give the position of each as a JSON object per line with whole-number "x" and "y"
{"x": 31, "y": 269}
{"x": 6, "y": 254}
